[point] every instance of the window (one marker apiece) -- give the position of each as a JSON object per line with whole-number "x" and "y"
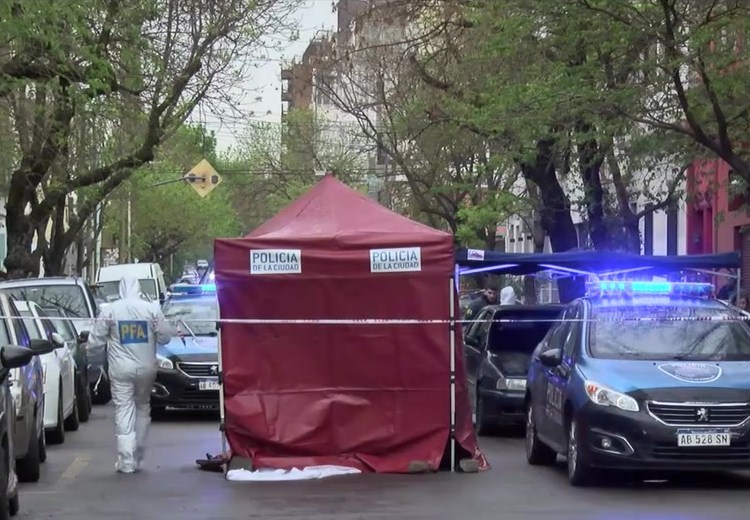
{"x": 31, "y": 325}
{"x": 560, "y": 332}
{"x": 573, "y": 337}
{"x": 70, "y": 298}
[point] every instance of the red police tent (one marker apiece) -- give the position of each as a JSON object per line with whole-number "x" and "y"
{"x": 372, "y": 396}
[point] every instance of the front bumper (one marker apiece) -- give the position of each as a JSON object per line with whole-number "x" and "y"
{"x": 640, "y": 442}
{"x": 503, "y": 407}
{"x": 175, "y": 389}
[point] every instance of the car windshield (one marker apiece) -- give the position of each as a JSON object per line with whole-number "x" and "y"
{"x": 194, "y": 309}
{"x": 70, "y": 298}
{"x": 110, "y": 291}
{"x": 621, "y": 336}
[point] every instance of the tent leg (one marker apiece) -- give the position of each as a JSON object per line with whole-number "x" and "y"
{"x": 452, "y": 343}
{"x": 221, "y": 395}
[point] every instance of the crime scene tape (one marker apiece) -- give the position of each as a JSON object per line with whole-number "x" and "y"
{"x": 396, "y": 321}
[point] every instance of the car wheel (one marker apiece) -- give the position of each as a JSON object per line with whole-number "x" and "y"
{"x": 28, "y": 468}
{"x": 537, "y": 453}
{"x": 4, "y": 478}
{"x": 42, "y": 447}
{"x": 579, "y": 472}
{"x": 103, "y": 395}
{"x": 73, "y": 422}
{"x": 57, "y": 434}
{"x": 14, "y": 505}
{"x": 158, "y": 412}
{"x": 82, "y": 400}
{"x": 484, "y": 427}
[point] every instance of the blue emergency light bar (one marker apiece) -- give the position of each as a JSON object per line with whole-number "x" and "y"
{"x": 615, "y": 288}
{"x": 206, "y": 288}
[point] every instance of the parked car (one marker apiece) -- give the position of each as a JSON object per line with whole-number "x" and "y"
{"x": 150, "y": 276}
{"x": 77, "y": 346}
{"x": 60, "y": 405}
{"x": 76, "y": 298}
{"x": 188, "y": 371}
{"x": 11, "y": 357}
{"x": 27, "y": 390}
{"x": 498, "y": 355}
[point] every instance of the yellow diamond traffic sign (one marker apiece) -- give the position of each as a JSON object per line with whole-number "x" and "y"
{"x": 203, "y": 178}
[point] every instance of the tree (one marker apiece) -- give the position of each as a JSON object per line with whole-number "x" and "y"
{"x": 134, "y": 72}
{"x": 453, "y": 176}
{"x": 273, "y": 164}
{"x": 172, "y": 219}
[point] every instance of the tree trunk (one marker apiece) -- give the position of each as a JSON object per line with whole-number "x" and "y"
{"x": 19, "y": 262}
{"x": 554, "y": 212}
{"x": 590, "y": 160}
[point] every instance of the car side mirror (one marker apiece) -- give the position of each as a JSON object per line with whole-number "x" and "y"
{"x": 57, "y": 340}
{"x": 41, "y": 346}
{"x": 551, "y": 358}
{"x": 83, "y": 337}
{"x": 12, "y": 356}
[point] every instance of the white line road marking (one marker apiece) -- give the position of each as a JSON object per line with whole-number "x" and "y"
{"x": 76, "y": 467}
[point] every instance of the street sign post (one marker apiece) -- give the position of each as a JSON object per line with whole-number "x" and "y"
{"x": 203, "y": 178}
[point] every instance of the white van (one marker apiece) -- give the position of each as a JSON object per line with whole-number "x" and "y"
{"x": 149, "y": 274}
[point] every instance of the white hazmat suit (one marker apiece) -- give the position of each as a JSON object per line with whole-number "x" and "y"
{"x": 508, "y": 296}
{"x": 131, "y": 327}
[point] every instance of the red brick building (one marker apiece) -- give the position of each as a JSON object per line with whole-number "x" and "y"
{"x": 716, "y": 213}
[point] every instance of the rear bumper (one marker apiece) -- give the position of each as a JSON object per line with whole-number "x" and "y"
{"x": 175, "y": 389}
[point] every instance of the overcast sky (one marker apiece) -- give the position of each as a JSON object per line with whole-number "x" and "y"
{"x": 261, "y": 97}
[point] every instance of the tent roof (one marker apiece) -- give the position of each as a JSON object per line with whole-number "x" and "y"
{"x": 591, "y": 261}
{"x": 332, "y": 209}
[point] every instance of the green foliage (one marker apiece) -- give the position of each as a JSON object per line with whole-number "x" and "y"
{"x": 274, "y": 164}
{"x": 173, "y": 219}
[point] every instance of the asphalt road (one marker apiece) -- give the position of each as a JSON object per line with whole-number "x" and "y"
{"x": 79, "y": 483}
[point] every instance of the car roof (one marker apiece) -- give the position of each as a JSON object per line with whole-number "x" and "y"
{"x": 39, "y": 282}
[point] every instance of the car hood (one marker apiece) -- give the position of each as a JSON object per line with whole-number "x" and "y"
{"x": 201, "y": 348}
{"x": 631, "y": 376}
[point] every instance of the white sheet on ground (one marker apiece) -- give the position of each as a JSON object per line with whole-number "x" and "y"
{"x": 271, "y": 475}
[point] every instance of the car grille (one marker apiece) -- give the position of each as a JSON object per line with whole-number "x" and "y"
{"x": 679, "y": 414}
{"x": 735, "y": 452}
{"x": 204, "y": 370}
{"x": 201, "y": 396}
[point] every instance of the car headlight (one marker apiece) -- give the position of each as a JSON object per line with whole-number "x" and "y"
{"x": 164, "y": 363}
{"x": 513, "y": 384}
{"x": 17, "y": 394}
{"x": 44, "y": 373}
{"x": 603, "y": 396}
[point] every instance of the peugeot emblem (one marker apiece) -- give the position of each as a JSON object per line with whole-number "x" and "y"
{"x": 702, "y": 414}
{"x": 214, "y": 370}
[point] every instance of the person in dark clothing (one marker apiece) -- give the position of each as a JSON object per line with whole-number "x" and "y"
{"x": 488, "y": 297}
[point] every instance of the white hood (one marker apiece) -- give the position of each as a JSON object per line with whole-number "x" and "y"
{"x": 508, "y": 296}
{"x": 130, "y": 287}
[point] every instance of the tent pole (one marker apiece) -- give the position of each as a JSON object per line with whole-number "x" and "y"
{"x": 222, "y": 415}
{"x": 452, "y": 343}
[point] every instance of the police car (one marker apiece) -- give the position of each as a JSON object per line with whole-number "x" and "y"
{"x": 645, "y": 376}
{"x": 188, "y": 366}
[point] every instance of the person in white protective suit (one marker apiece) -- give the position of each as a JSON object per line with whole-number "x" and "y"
{"x": 131, "y": 327}
{"x": 508, "y": 296}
